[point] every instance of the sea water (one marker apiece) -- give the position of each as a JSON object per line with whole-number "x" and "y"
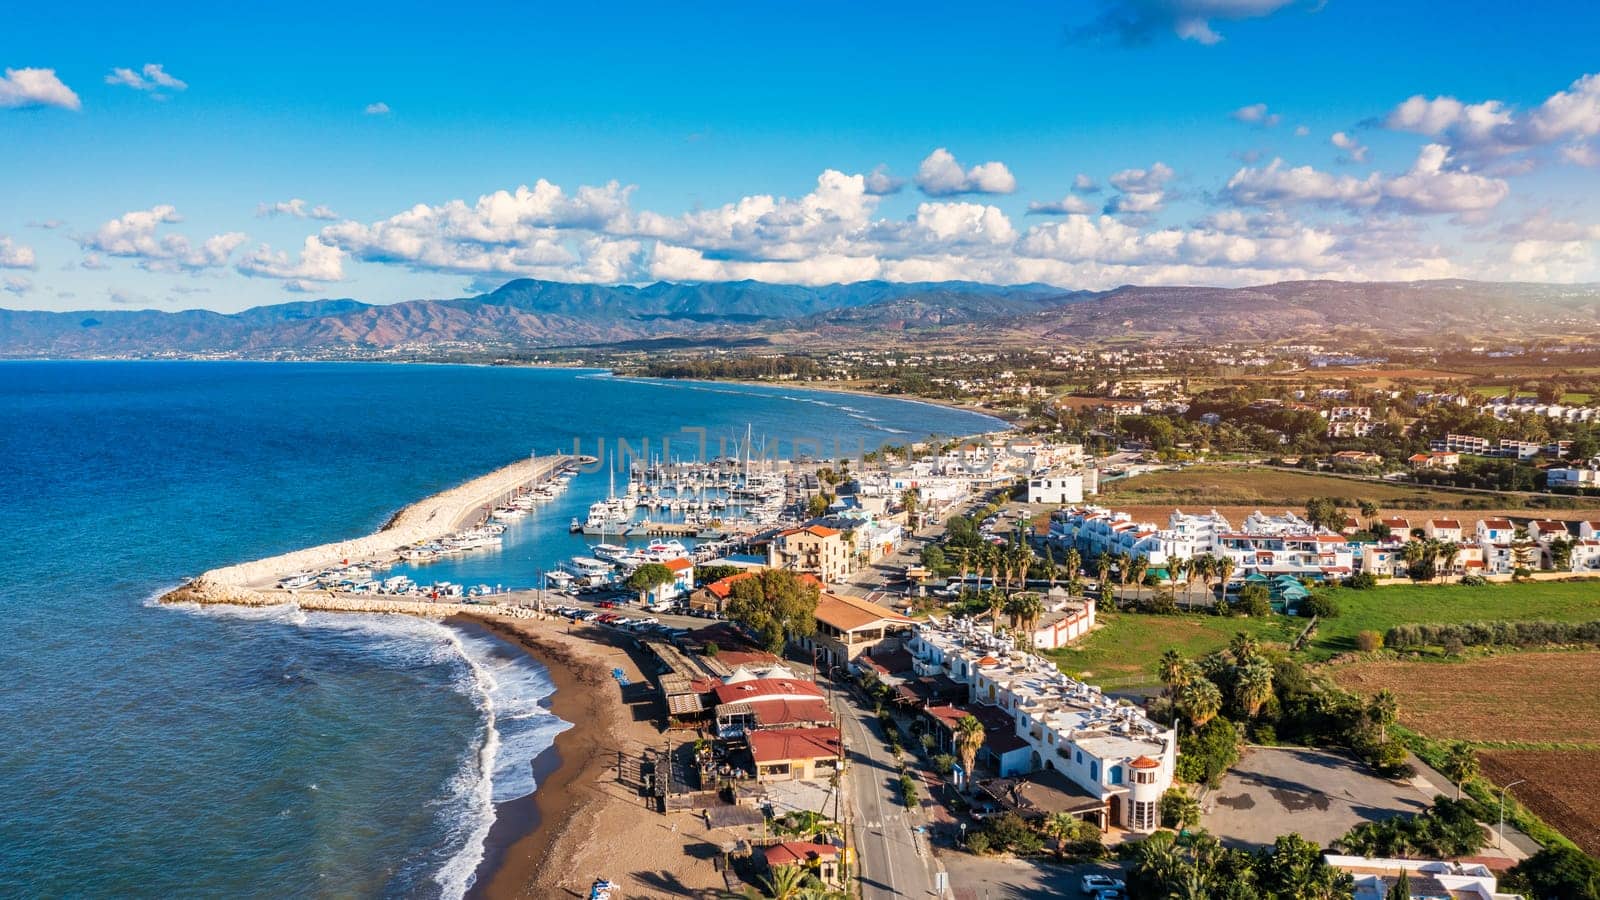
{"x": 174, "y": 751}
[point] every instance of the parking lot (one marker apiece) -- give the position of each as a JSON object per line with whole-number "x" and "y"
{"x": 1320, "y": 795}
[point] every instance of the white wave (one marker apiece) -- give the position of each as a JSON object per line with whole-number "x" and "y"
{"x": 506, "y": 688}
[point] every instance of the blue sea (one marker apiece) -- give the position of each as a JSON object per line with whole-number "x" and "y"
{"x": 163, "y": 752}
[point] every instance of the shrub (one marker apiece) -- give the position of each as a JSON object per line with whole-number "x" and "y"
{"x": 1473, "y": 580}
{"x": 908, "y": 790}
{"x": 978, "y": 842}
{"x": 1362, "y": 581}
{"x": 1205, "y": 754}
{"x": 1161, "y": 603}
{"x": 1321, "y": 605}
{"x": 1256, "y": 603}
{"x": 1178, "y": 809}
{"x": 1368, "y": 641}
{"x": 944, "y": 763}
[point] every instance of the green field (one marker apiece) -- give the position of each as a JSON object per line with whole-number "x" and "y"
{"x": 1126, "y": 648}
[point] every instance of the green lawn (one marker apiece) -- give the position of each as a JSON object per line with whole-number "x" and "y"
{"x": 1382, "y": 608}
{"x": 1127, "y": 647}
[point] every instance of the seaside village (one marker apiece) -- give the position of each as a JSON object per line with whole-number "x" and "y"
{"x": 804, "y": 658}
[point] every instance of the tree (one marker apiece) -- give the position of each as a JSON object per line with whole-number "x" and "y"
{"x": 818, "y": 505}
{"x": 1051, "y": 570}
{"x": 1200, "y": 700}
{"x": 1558, "y": 873}
{"x": 776, "y": 605}
{"x": 1062, "y": 826}
{"x": 969, "y": 738}
{"x": 1074, "y": 565}
{"x": 1295, "y": 869}
{"x": 909, "y": 498}
{"x": 1175, "y": 671}
{"x": 1244, "y": 647}
{"x": 786, "y": 882}
{"x": 1460, "y": 764}
{"x": 1179, "y": 809}
{"x": 1382, "y": 711}
{"x": 648, "y": 577}
{"x": 1253, "y": 686}
{"x": 1401, "y": 889}
{"x": 1224, "y": 570}
{"x": 1324, "y": 512}
{"x": 1025, "y": 610}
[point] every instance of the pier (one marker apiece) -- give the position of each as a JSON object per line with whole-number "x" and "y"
{"x": 428, "y": 519}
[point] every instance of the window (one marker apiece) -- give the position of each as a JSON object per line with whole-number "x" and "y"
{"x": 1094, "y": 771}
{"x": 1116, "y": 774}
{"x": 1143, "y": 816}
{"x": 1144, "y": 776}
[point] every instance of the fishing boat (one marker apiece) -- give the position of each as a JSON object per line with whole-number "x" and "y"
{"x": 661, "y": 551}
{"x": 418, "y": 554}
{"x": 608, "y": 552}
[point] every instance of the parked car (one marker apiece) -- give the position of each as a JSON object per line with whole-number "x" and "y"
{"x": 1095, "y": 882}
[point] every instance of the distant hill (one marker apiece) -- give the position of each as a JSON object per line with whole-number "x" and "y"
{"x": 525, "y": 314}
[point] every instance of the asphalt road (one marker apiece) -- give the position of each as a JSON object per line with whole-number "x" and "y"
{"x": 894, "y": 860}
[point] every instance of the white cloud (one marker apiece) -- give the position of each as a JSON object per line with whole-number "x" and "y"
{"x": 377, "y": 109}
{"x": 153, "y": 77}
{"x": 295, "y": 208}
{"x": 17, "y": 284}
{"x": 16, "y": 256}
{"x": 1069, "y": 205}
{"x": 1257, "y": 114}
{"x": 1301, "y": 131}
{"x": 1142, "y": 191}
{"x": 1431, "y": 186}
{"x": 1494, "y": 128}
{"x": 1353, "y": 149}
{"x": 318, "y": 262}
{"x": 881, "y": 183}
{"x": 940, "y": 175}
{"x": 1083, "y": 184}
{"x": 133, "y": 235}
{"x": 35, "y": 87}
{"x": 1133, "y": 22}
{"x": 1540, "y": 226}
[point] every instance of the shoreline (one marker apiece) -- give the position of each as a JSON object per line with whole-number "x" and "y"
{"x": 833, "y": 388}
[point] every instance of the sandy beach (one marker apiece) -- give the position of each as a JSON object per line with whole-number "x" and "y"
{"x": 585, "y": 824}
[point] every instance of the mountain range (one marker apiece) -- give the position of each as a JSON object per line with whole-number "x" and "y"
{"x": 527, "y": 314}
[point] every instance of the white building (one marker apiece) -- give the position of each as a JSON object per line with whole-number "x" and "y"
{"x": 1056, "y": 486}
{"x": 1574, "y": 477}
{"x": 1269, "y": 545}
{"x": 1064, "y": 621}
{"x": 1111, "y": 750}
{"x": 1428, "y": 879}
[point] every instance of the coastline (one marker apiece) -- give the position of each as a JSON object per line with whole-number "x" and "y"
{"x": 835, "y": 388}
{"x": 582, "y": 823}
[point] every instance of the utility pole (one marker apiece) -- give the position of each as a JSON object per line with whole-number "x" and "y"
{"x": 1500, "y": 835}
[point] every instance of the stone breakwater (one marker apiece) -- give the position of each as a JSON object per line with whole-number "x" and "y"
{"x": 326, "y": 602}
{"x": 250, "y": 583}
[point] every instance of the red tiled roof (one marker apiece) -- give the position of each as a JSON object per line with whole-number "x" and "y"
{"x": 794, "y": 743}
{"x": 1496, "y": 523}
{"x": 760, "y": 688}
{"x": 771, "y": 713}
{"x": 818, "y": 530}
{"x": 723, "y": 587}
{"x": 678, "y": 565}
{"x": 1144, "y": 762}
{"x": 1444, "y": 523}
{"x": 798, "y": 853}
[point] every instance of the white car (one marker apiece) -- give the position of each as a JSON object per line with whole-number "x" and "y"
{"x": 1093, "y": 884}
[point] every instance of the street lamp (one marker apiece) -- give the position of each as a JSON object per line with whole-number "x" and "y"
{"x": 1500, "y": 836}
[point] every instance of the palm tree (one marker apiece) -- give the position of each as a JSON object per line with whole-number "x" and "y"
{"x": 969, "y": 737}
{"x": 1254, "y": 686}
{"x": 1381, "y": 713}
{"x": 1450, "y": 551}
{"x": 1244, "y": 647}
{"x": 1124, "y": 575}
{"x": 1460, "y": 764}
{"x": 1200, "y": 701}
{"x": 1023, "y": 559}
{"x": 1176, "y": 566}
{"x": 1141, "y": 568}
{"x": 1029, "y": 609}
{"x": 1062, "y": 826}
{"x": 1102, "y": 564}
{"x": 997, "y": 604}
{"x": 786, "y": 882}
{"x": 1174, "y": 670}
{"x": 1074, "y": 564}
{"x": 1190, "y": 572}
{"x": 1224, "y": 572}
{"x": 1050, "y": 568}
{"x": 965, "y": 560}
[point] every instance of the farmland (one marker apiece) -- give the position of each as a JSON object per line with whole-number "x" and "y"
{"x": 1519, "y": 698}
{"x": 1559, "y": 785}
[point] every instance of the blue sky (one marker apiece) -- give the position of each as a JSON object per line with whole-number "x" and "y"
{"x": 742, "y": 141}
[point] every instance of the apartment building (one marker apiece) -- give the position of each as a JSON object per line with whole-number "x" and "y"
{"x": 1107, "y": 748}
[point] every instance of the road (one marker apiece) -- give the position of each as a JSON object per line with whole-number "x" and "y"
{"x": 893, "y": 859}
